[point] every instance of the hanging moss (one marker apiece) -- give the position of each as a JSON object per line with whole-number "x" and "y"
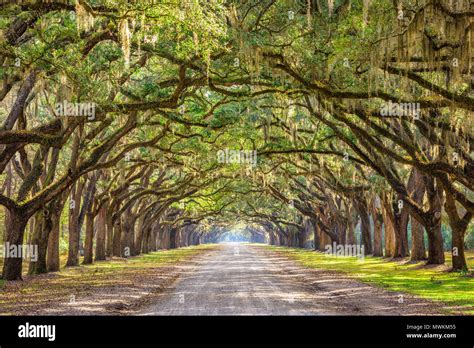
{"x": 84, "y": 20}
{"x": 330, "y": 7}
{"x": 365, "y": 10}
{"x": 125, "y": 39}
{"x": 308, "y": 13}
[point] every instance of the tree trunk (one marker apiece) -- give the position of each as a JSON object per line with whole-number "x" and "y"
{"x": 458, "y": 229}
{"x": 110, "y": 233}
{"x": 101, "y": 233}
{"x": 153, "y": 239}
{"x": 117, "y": 238}
{"x": 12, "y": 266}
{"x": 317, "y": 240}
{"x": 89, "y": 240}
{"x": 417, "y": 190}
{"x": 325, "y": 240}
{"x": 459, "y": 257}
{"x": 126, "y": 245}
{"x": 137, "y": 244}
{"x": 271, "y": 238}
{"x": 341, "y": 232}
{"x": 401, "y": 224}
{"x": 351, "y": 238}
{"x": 435, "y": 237}
{"x": 304, "y": 233}
{"x": 46, "y": 221}
{"x": 8, "y": 186}
{"x": 41, "y": 227}
{"x": 52, "y": 260}
{"x": 173, "y": 238}
{"x": 366, "y": 239}
{"x": 388, "y": 222}
{"x": 435, "y": 246}
{"x": 418, "y": 251}
{"x": 378, "y": 224}
{"x": 146, "y": 236}
{"x": 74, "y": 232}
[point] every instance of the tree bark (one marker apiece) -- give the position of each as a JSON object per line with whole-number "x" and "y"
{"x": 458, "y": 229}
{"x": 388, "y": 221}
{"x": 52, "y": 259}
{"x": 418, "y": 251}
{"x": 89, "y": 240}
{"x": 128, "y": 225}
{"x": 117, "y": 238}
{"x": 40, "y": 226}
{"x": 74, "y": 232}
{"x": 366, "y": 239}
{"x": 435, "y": 237}
{"x": 47, "y": 220}
{"x": 316, "y": 239}
{"x": 110, "y": 232}
{"x": 351, "y": 238}
{"x": 378, "y": 225}
{"x": 401, "y": 234}
{"x": 12, "y": 266}
{"x": 101, "y": 234}
{"x": 137, "y": 244}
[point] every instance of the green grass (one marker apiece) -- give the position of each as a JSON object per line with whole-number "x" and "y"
{"x": 435, "y": 283}
{"x": 154, "y": 259}
{"x": 42, "y": 290}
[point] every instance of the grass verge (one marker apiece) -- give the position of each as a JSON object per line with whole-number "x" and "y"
{"x": 38, "y": 292}
{"x": 434, "y": 283}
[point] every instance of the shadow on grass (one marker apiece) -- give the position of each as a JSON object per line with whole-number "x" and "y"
{"x": 432, "y": 282}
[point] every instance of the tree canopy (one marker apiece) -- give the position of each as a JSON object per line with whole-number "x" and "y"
{"x": 158, "y": 123}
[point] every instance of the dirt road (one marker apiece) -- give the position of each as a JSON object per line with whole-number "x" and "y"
{"x": 242, "y": 279}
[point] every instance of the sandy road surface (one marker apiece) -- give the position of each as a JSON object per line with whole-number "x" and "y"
{"x": 241, "y": 279}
